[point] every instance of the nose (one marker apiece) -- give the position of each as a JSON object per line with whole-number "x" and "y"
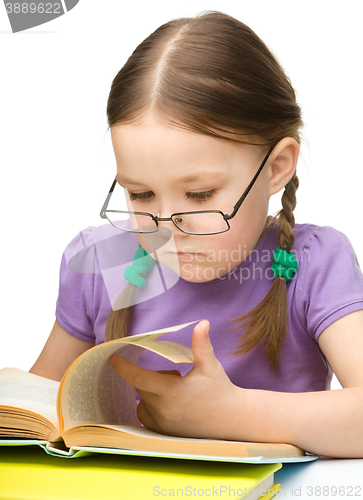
{"x": 170, "y": 224}
{"x": 180, "y": 221}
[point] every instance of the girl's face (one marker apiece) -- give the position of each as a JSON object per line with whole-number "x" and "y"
{"x": 165, "y": 170}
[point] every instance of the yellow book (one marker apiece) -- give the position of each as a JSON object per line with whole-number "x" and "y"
{"x": 33, "y": 474}
{"x": 93, "y": 407}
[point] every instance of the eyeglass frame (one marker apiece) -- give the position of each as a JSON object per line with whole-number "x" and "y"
{"x": 226, "y": 217}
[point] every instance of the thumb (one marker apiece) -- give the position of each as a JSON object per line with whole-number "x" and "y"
{"x": 204, "y": 358}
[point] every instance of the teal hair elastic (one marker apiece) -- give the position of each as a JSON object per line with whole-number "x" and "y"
{"x": 142, "y": 263}
{"x": 285, "y": 264}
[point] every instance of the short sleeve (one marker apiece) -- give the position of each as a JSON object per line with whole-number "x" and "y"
{"x": 329, "y": 282}
{"x": 74, "y": 309}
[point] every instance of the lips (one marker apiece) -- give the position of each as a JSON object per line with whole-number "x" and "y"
{"x": 184, "y": 255}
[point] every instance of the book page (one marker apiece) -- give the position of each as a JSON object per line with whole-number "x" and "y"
{"x": 173, "y": 351}
{"x": 178, "y": 353}
{"x": 92, "y": 392}
{"x": 20, "y": 389}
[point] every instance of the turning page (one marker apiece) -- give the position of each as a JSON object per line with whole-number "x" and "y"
{"x": 91, "y": 392}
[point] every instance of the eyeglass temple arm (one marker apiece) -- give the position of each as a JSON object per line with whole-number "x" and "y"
{"x": 105, "y": 205}
{"x": 248, "y": 189}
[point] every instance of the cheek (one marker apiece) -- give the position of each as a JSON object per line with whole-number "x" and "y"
{"x": 249, "y": 221}
{"x": 226, "y": 242}
{"x": 231, "y": 249}
{"x": 235, "y": 245}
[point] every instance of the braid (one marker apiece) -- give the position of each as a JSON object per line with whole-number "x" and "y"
{"x": 119, "y": 319}
{"x": 285, "y": 216}
{"x": 267, "y": 322}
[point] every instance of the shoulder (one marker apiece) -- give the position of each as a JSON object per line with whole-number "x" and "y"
{"x": 324, "y": 250}
{"x": 307, "y": 235}
{"x": 312, "y": 239}
{"x": 104, "y": 244}
{"x": 323, "y": 243}
{"x": 91, "y": 274}
{"x": 329, "y": 281}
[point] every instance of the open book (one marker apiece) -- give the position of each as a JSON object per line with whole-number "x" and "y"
{"x": 92, "y": 406}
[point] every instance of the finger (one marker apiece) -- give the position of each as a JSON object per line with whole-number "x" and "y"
{"x": 170, "y": 372}
{"x": 145, "y": 416}
{"x": 140, "y": 378}
{"x": 204, "y": 358}
{"x": 150, "y": 397}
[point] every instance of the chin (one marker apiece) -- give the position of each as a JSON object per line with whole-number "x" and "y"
{"x": 199, "y": 274}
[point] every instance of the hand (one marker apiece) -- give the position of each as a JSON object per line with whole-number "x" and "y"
{"x": 200, "y": 404}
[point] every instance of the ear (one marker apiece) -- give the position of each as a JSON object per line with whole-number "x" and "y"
{"x": 282, "y": 164}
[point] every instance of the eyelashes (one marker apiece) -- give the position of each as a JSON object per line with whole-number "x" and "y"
{"x": 141, "y": 196}
{"x": 198, "y": 197}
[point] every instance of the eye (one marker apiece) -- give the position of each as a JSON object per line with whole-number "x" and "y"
{"x": 146, "y": 196}
{"x": 201, "y": 197}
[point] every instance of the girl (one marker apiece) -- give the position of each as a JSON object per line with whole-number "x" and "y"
{"x": 205, "y": 128}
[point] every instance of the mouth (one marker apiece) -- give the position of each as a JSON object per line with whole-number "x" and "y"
{"x": 184, "y": 255}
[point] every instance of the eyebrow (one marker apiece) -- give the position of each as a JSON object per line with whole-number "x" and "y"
{"x": 201, "y": 176}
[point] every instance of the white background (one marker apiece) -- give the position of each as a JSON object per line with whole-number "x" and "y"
{"x": 56, "y": 157}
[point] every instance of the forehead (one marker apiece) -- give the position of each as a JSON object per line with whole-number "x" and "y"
{"x": 153, "y": 144}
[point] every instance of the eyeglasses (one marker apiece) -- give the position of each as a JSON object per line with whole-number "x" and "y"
{"x": 203, "y": 222}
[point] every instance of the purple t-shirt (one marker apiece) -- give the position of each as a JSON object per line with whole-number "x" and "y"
{"x": 327, "y": 286}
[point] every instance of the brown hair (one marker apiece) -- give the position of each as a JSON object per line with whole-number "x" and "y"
{"x": 212, "y": 74}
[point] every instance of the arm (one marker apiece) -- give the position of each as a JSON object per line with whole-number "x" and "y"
{"x": 60, "y": 350}
{"x": 204, "y": 403}
{"x": 327, "y": 422}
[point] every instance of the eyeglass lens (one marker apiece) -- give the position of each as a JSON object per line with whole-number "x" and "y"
{"x": 203, "y": 223}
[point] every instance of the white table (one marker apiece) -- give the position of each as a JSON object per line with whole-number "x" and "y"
{"x": 325, "y": 478}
